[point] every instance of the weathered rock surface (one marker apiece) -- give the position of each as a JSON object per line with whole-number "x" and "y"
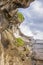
{"x": 10, "y": 54}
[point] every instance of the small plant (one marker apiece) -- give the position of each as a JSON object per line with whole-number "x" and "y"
{"x": 20, "y": 17}
{"x": 20, "y": 42}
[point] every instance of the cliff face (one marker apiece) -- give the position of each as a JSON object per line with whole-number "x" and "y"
{"x": 17, "y": 3}
{"x": 8, "y": 11}
{"x": 10, "y": 54}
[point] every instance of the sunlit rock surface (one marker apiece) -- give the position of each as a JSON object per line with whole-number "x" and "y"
{"x": 10, "y": 54}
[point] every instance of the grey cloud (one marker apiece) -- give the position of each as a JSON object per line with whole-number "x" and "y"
{"x": 34, "y": 16}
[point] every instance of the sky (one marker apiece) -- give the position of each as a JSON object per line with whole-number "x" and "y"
{"x": 33, "y": 23}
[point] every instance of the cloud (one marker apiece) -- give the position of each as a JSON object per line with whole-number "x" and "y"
{"x": 34, "y": 18}
{"x": 25, "y": 29}
{"x": 38, "y": 35}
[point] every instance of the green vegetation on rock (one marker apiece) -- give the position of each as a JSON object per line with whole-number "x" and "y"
{"x": 20, "y": 42}
{"x": 20, "y": 17}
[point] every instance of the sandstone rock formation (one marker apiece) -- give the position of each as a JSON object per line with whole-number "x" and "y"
{"x": 8, "y": 11}
{"x": 9, "y": 52}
